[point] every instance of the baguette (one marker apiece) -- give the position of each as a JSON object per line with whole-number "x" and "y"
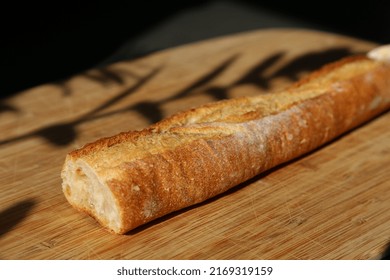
{"x": 131, "y": 178}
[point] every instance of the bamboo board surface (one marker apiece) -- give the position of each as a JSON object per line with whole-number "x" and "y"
{"x": 333, "y": 203}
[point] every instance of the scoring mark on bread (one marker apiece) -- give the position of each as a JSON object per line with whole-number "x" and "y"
{"x": 375, "y": 103}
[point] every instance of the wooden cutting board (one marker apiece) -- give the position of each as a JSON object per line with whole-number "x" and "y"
{"x": 333, "y": 203}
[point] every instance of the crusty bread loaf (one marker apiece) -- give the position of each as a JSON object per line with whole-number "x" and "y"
{"x": 132, "y": 178}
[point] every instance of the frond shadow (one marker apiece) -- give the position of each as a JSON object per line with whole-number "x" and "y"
{"x": 61, "y": 134}
{"x": 12, "y": 216}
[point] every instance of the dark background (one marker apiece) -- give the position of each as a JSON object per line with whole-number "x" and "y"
{"x": 43, "y": 42}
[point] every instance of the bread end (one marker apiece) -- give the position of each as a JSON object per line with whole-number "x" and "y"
{"x": 85, "y": 192}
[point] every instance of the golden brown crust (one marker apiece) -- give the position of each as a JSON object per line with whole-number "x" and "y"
{"x": 197, "y": 154}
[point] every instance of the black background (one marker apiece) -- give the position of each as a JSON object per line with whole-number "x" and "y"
{"x": 43, "y": 42}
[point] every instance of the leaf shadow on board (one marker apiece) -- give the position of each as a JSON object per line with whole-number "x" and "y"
{"x": 386, "y": 253}
{"x": 311, "y": 61}
{"x": 153, "y": 110}
{"x": 15, "y": 214}
{"x": 63, "y": 133}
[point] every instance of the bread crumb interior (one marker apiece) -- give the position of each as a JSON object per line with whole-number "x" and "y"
{"x": 83, "y": 188}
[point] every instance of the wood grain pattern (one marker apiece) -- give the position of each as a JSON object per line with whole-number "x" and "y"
{"x": 330, "y": 204}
